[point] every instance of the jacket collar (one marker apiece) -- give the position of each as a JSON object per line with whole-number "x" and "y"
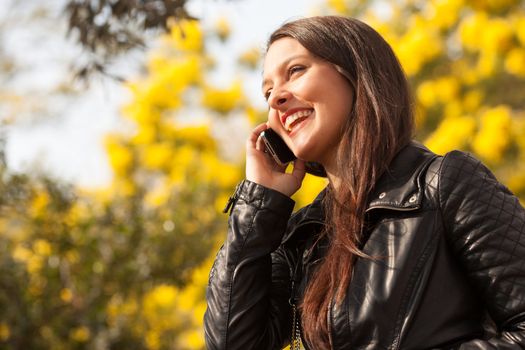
{"x": 399, "y": 188}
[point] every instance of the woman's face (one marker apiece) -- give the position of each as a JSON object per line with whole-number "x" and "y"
{"x": 309, "y": 100}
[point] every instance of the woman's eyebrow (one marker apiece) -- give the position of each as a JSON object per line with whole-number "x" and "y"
{"x": 282, "y": 64}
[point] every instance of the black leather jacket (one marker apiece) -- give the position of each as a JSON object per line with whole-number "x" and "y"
{"x": 449, "y": 272}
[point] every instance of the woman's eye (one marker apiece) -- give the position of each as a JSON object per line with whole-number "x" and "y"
{"x": 295, "y": 69}
{"x": 267, "y": 94}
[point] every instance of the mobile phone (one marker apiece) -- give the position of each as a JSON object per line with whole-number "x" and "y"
{"x": 283, "y": 155}
{"x": 277, "y": 147}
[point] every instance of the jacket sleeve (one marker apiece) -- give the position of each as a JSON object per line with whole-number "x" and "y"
{"x": 248, "y": 288}
{"x": 485, "y": 224}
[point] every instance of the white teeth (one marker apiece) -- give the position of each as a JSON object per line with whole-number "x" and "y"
{"x": 292, "y": 118}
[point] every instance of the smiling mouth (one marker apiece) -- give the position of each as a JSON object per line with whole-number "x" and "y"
{"x": 295, "y": 118}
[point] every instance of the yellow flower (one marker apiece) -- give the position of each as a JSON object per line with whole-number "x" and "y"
{"x": 310, "y": 188}
{"x": 192, "y": 339}
{"x": 80, "y": 334}
{"x": 426, "y": 93}
{"x": 251, "y": 57}
{"x": 158, "y": 156}
{"x": 40, "y": 203}
{"x": 338, "y": 5}
{"x": 158, "y": 196}
{"x": 5, "y": 331}
{"x": 515, "y": 62}
{"x": 453, "y": 109}
{"x": 472, "y": 100}
{"x": 222, "y": 100}
{"x": 182, "y": 158}
{"x": 494, "y": 5}
{"x": 216, "y": 171}
{"x": 452, "y": 133}
{"x": 417, "y": 46}
{"x": 21, "y": 253}
{"x": 496, "y": 36}
{"x": 442, "y": 90}
{"x": 520, "y": 29}
{"x": 255, "y": 116}
{"x": 146, "y": 133}
{"x": 470, "y": 30}
{"x": 444, "y": 13}
{"x": 72, "y": 256}
{"x": 66, "y": 295}
{"x": 163, "y": 296}
{"x": 487, "y": 63}
{"x": 34, "y": 264}
{"x": 153, "y": 339}
{"x": 492, "y": 138}
{"x": 186, "y": 35}
{"x": 516, "y": 182}
{"x": 42, "y": 247}
{"x": 447, "y": 88}
{"x": 120, "y": 156}
{"x": 222, "y": 28}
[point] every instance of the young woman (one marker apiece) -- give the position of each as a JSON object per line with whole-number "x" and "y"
{"x": 404, "y": 249}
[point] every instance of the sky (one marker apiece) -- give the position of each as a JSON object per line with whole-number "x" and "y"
{"x": 67, "y": 142}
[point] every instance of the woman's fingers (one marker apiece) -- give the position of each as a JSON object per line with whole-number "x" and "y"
{"x": 255, "y": 135}
{"x": 299, "y": 169}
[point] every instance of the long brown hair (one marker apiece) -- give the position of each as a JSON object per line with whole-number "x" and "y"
{"x": 380, "y": 124}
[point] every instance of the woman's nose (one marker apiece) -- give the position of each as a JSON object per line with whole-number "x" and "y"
{"x": 279, "y": 98}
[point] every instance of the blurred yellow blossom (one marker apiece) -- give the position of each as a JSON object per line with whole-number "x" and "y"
{"x": 515, "y": 61}
{"x": 441, "y": 90}
{"x": 452, "y": 133}
{"x": 497, "y": 35}
{"x": 80, "y": 334}
{"x": 5, "y": 331}
{"x": 158, "y": 156}
{"x": 418, "y": 46}
{"x": 40, "y": 203}
{"x": 472, "y": 100}
{"x": 516, "y": 182}
{"x": 42, "y": 247}
{"x": 222, "y": 28}
{"x": 520, "y": 28}
{"x": 493, "y": 137}
{"x": 223, "y": 100}
{"x": 453, "y": 109}
{"x": 120, "y": 156}
{"x": 338, "y": 5}
{"x": 145, "y": 134}
{"x": 192, "y": 339}
{"x": 186, "y": 35}
{"x": 163, "y": 296}
{"x": 470, "y": 29}
{"x": 66, "y": 295}
{"x": 21, "y": 253}
{"x": 493, "y": 5}
{"x": 250, "y": 57}
{"x": 153, "y": 339}
{"x": 443, "y": 13}
{"x": 487, "y": 63}
{"x": 72, "y": 256}
{"x": 34, "y": 264}
{"x": 310, "y": 188}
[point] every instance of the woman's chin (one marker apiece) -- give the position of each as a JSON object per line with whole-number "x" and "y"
{"x": 304, "y": 154}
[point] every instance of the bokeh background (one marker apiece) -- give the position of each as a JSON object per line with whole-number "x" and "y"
{"x": 122, "y": 141}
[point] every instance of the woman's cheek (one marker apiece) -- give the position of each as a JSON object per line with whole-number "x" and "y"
{"x": 273, "y": 120}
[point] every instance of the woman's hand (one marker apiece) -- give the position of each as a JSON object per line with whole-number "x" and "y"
{"x": 262, "y": 169}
